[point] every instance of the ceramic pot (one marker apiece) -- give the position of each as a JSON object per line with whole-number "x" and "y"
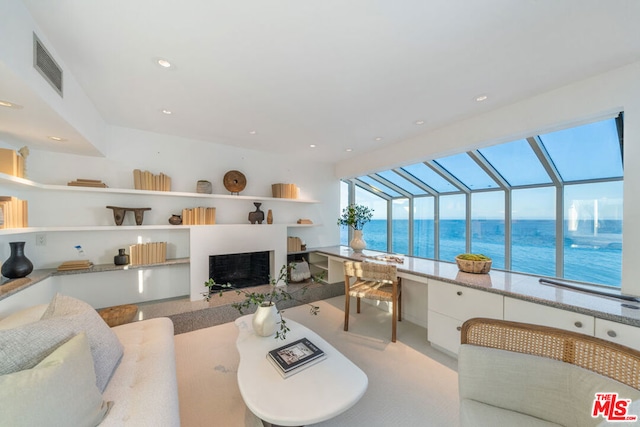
{"x": 265, "y": 320}
{"x": 17, "y": 265}
{"x": 357, "y": 243}
{"x": 121, "y": 259}
{"x": 203, "y": 186}
{"x": 175, "y": 219}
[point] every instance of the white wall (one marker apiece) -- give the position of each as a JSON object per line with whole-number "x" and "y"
{"x": 575, "y": 104}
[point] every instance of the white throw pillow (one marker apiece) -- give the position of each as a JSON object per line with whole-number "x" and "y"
{"x": 25, "y": 346}
{"x": 22, "y": 317}
{"x": 59, "y": 391}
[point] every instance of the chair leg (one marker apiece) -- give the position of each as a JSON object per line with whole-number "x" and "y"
{"x": 346, "y": 312}
{"x": 399, "y": 304}
{"x": 394, "y": 318}
{"x": 358, "y": 299}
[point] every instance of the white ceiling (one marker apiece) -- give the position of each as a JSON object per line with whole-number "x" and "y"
{"x": 334, "y": 73}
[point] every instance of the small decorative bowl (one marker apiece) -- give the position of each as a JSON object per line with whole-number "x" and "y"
{"x": 477, "y": 267}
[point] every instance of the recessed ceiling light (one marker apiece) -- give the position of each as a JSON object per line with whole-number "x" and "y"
{"x": 9, "y": 105}
{"x": 419, "y": 122}
{"x": 481, "y": 98}
{"x": 167, "y": 112}
{"x": 252, "y": 132}
{"x": 312, "y": 146}
{"x": 57, "y": 138}
{"x": 348, "y": 150}
{"x": 164, "y": 63}
{"x": 378, "y": 138}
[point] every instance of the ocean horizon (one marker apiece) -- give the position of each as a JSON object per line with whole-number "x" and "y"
{"x": 592, "y": 252}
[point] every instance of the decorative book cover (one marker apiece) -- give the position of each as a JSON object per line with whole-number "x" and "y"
{"x": 297, "y": 354}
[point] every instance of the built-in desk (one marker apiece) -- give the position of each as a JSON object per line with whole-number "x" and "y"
{"x": 454, "y": 296}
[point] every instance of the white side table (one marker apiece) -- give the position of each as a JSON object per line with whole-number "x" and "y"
{"x": 315, "y": 394}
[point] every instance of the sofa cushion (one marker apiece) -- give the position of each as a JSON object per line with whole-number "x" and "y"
{"x": 22, "y": 317}
{"x": 58, "y": 391}
{"x": 544, "y": 388}
{"x": 144, "y": 386}
{"x": 25, "y": 346}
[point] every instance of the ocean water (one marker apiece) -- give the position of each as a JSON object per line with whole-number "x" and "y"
{"x": 594, "y": 257}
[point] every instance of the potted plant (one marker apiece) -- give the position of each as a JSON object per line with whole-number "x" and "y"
{"x": 356, "y": 216}
{"x": 267, "y": 316}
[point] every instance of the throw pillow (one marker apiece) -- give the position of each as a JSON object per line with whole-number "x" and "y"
{"x": 25, "y": 346}
{"x": 22, "y": 317}
{"x": 59, "y": 391}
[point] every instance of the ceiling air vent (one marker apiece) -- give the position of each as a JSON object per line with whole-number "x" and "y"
{"x": 46, "y": 65}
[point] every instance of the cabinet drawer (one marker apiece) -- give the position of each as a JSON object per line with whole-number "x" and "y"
{"x": 523, "y": 311}
{"x": 443, "y": 331}
{"x": 619, "y": 333}
{"x": 463, "y": 303}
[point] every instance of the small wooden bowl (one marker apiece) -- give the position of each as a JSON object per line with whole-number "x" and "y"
{"x": 476, "y": 267}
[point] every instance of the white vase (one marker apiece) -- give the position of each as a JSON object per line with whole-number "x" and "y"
{"x": 265, "y": 320}
{"x": 357, "y": 243}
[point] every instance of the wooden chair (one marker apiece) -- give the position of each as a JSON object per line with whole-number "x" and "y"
{"x": 373, "y": 281}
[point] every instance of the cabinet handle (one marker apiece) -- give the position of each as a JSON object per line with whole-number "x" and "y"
{"x": 459, "y": 293}
{"x": 578, "y": 324}
{"x": 612, "y": 333}
{"x": 459, "y": 328}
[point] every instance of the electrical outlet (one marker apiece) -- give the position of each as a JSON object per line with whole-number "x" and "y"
{"x": 41, "y": 239}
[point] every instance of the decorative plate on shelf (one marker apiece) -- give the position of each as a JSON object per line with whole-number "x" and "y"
{"x": 234, "y": 181}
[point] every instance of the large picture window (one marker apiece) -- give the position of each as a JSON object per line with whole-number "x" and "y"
{"x": 548, "y": 205}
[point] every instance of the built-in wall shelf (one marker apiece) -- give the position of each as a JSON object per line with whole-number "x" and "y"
{"x": 21, "y": 182}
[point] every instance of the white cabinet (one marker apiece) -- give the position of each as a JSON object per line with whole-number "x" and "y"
{"x": 626, "y": 335}
{"x": 331, "y": 268}
{"x": 527, "y": 312}
{"x": 450, "y": 305}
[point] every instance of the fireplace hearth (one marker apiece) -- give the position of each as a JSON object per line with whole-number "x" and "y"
{"x": 241, "y": 270}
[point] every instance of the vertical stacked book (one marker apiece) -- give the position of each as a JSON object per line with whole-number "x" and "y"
{"x": 148, "y": 253}
{"x": 14, "y": 213}
{"x": 11, "y": 163}
{"x": 199, "y": 216}
{"x": 285, "y": 191}
{"x": 145, "y": 180}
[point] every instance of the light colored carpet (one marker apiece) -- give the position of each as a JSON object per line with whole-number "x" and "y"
{"x": 410, "y": 384}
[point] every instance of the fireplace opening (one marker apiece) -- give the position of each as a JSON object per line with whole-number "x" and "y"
{"x": 241, "y": 270}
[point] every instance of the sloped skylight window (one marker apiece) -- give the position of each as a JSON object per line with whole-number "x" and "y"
{"x": 516, "y": 163}
{"x": 586, "y": 152}
{"x": 402, "y": 183}
{"x": 378, "y": 187}
{"x": 467, "y": 171}
{"x": 431, "y": 178}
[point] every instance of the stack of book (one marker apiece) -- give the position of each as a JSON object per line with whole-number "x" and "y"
{"x": 82, "y": 264}
{"x": 145, "y": 180}
{"x": 11, "y": 163}
{"x": 13, "y": 212}
{"x": 80, "y": 182}
{"x": 148, "y": 253}
{"x": 285, "y": 191}
{"x": 294, "y": 244}
{"x": 295, "y": 357}
{"x": 199, "y": 216}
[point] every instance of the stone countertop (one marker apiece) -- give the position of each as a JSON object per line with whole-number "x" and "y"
{"x": 9, "y": 287}
{"x": 515, "y": 285}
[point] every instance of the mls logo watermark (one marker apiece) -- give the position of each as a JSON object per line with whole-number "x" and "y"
{"x": 611, "y": 408}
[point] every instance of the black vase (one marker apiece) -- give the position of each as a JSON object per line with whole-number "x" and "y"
{"x": 121, "y": 259}
{"x": 17, "y": 265}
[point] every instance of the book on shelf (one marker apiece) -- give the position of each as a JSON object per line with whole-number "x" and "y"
{"x": 296, "y": 356}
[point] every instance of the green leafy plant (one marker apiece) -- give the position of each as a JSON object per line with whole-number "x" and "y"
{"x": 355, "y": 216}
{"x": 278, "y": 292}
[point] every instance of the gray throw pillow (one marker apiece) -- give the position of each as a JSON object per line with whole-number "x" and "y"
{"x": 26, "y": 346}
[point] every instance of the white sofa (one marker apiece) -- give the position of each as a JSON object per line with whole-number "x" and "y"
{"x": 143, "y": 387}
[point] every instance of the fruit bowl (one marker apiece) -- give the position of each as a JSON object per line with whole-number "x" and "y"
{"x": 474, "y": 263}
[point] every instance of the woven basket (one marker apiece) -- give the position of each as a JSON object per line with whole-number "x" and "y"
{"x": 119, "y": 314}
{"x": 477, "y": 267}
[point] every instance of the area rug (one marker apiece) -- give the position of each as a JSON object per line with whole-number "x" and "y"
{"x": 410, "y": 383}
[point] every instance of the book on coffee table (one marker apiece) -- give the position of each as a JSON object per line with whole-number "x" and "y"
{"x": 296, "y": 356}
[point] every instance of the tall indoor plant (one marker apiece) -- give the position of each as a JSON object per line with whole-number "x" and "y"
{"x": 356, "y": 216}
